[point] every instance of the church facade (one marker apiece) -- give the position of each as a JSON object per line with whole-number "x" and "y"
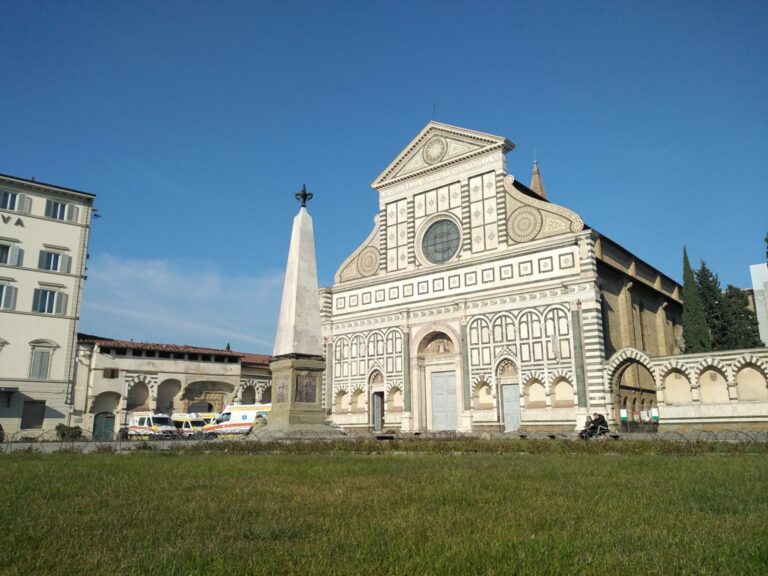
{"x": 477, "y": 304}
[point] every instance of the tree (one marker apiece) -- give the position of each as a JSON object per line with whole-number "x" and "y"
{"x": 695, "y": 329}
{"x": 739, "y": 322}
{"x": 711, "y": 295}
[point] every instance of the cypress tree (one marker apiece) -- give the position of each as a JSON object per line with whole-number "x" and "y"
{"x": 711, "y": 296}
{"x": 739, "y": 321}
{"x": 695, "y": 329}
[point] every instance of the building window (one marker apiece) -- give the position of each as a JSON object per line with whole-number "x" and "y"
{"x": 32, "y": 414}
{"x": 55, "y": 210}
{"x": 7, "y": 296}
{"x": 11, "y": 254}
{"x": 40, "y": 363}
{"x": 54, "y": 261}
{"x": 14, "y": 201}
{"x": 8, "y": 200}
{"x": 441, "y": 241}
{"x": 49, "y": 302}
{"x": 61, "y": 211}
{"x": 111, "y": 373}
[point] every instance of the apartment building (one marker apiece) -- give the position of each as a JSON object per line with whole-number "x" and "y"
{"x": 43, "y": 250}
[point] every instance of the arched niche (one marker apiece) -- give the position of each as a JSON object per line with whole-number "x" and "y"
{"x": 357, "y": 401}
{"x": 341, "y": 402}
{"x": 138, "y": 397}
{"x": 677, "y": 388}
{"x": 249, "y": 395}
{"x": 751, "y": 384}
{"x": 713, "y": 388}
{"x": 483, "y": 396}
{"x": 395, "y": 400}
{"x": 535, "y": 395}
{"x": 166, "y": 393}
{"x": 562, "y": 392}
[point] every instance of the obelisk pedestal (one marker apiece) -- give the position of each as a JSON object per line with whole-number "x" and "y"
{"x": 297, "y": 363}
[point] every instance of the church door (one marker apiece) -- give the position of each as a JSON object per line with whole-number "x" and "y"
{"x": 511, "y": 397}
{"x": 444, "y": 412}
{"x": 378, "y": 411}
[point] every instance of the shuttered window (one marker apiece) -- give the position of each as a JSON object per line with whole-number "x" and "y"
{"x": 62, "y": 211}
{"x": 54, "y": 261}
{"x": 8, "y": 297}
{"x": 49, "y": 302}
{"x": 40, "y": 363}
{"x": 11, "y": 254}
{"x": 8, "y": 200}
{"x": 14, "y": 201}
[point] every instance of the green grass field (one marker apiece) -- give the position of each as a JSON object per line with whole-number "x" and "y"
{"x": 400, "y": 513}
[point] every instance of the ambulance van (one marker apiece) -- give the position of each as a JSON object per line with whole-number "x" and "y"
{"x": 188, "y": 425}
{"x": 236, "y": 419}
{"x": 151, "y": 425}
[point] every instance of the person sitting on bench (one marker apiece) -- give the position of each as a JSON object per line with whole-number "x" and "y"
{"x": 597, "y": 425}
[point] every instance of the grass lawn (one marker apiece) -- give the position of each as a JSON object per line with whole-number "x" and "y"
{"x": 216, "y": 513}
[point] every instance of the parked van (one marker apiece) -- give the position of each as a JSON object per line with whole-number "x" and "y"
{"x": 151, "y": 425}
{"x": 207, "y": 417}
{"x": 188, "y": 425}
{"x": 237, "y": 419}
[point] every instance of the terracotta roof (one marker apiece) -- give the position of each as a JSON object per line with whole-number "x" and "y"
{"x": 255, "y": 359}
{"x": 111, "y": 343}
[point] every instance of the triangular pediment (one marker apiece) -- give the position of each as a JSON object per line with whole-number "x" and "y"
{"x": 436, "y": 146}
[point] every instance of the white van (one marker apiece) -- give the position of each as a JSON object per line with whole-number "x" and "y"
{"x": 237, "y": 419}
{"x": 188, "y": 425}
{"x": 151, "y": 425}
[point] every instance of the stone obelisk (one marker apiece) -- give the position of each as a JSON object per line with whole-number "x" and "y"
{"x": 297, "y": 363}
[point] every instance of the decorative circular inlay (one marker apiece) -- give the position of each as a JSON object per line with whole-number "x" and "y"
{"x": 524, "y": 224}
{"x": 435, "y": 150}
{"x": 441, "y": 241}
{"x": 368, "y": 261}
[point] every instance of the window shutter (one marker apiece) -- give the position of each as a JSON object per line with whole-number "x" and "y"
{"x": 66, "y": 264}
{"x": 23, "y": 203}
{"x": 41, "y": 359}
{"x": 36, "y": 301}
{"x": 72, "y": 213}
{"x": 45, "y": 363}
{"x": 9, "y": 298}
{"x": 61, "y": 303}
{"x": 49, "y": 208}
{"x": 41, "y": 260}
{"x": 34, "y": 369}
{"x": 17, "y": 256}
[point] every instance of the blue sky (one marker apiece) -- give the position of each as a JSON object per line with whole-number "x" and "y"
{"x": 194, "y": 123}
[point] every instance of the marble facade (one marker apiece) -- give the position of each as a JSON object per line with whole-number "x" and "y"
{"x": 478, "y": 304}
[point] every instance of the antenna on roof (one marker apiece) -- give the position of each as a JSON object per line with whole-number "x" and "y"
{"x": 434, "y": 110}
